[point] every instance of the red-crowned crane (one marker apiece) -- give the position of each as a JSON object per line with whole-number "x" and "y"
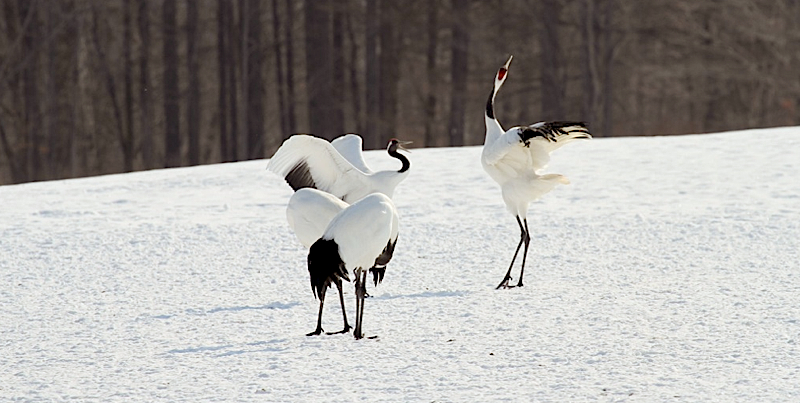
{"x": 514, "y": 158}
{"x": 309, "y": 212}
{"x": 337, "y": 167}
{"x": 357, "y": 238}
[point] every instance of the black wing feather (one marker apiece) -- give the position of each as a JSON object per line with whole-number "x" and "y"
{"x": 300, "y": 177}
{"x": 550, "y": 131}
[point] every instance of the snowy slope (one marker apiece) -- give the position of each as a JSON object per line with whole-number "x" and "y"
{"x": 667, "y": 271}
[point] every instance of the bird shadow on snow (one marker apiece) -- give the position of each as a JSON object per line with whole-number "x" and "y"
{"x": 273, "y": 305}
{"x": 272, "y": 346}
{"x": 426, "y": 294}
{"x": 200, "y": 311}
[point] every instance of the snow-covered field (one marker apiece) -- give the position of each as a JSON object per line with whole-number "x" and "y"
{"x": 667, "y": 271}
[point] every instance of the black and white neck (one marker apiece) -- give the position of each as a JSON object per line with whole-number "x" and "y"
{"x": 493, "y": 127}
{"x": 394, "y": 144}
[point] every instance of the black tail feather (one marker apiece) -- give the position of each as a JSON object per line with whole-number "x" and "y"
{"x": 377, "y": 274}
{"x": 324, "y": 266}
{"x": 386, "y": 255}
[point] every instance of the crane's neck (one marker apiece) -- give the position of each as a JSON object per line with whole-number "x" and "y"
{"x": 406, "y": 163}
{"x": 493, "y": 127}
{"x": 386, "y": 181}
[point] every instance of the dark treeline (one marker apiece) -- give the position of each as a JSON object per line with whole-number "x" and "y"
{"x": 99, "y": 86}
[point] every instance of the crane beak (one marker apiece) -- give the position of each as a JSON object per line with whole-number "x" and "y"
{"x": 508, "y": 62}
{"x": 401, "y": 145}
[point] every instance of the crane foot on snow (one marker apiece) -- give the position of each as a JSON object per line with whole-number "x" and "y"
{"x": 345, "y": 330}
{"x": 316, "y": 332}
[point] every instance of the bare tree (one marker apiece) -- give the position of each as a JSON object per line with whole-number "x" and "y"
{"x": 355, "y": 89}
{"x": 431, "y": 56}
{"x": 233, "y": 60}
{"x": 30, "y": 33}
{"x": 125, "y": 139}
{"x": 255, "y": 83}
{"x": 336, "y": 102}
{"x": 222, "y": 58}
{"x": 589, "y": 73}
{"x": 459, "y": 70}
{"x": 128, "y": 78}
{"x": 145, "y": 100}
{"x": 193, "y": 101}
{"x": 290, "y": 63}
{"x": 172, "y": 135}
{"x": 552, "y": 89}
{"x": 389, "y": 62}
{"x": 280, "y": 76}
{"x": 319, "y": 70}
{"x": 372, "y": 139}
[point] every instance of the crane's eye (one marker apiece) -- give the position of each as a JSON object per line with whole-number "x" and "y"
{"x": 501, "y": 73}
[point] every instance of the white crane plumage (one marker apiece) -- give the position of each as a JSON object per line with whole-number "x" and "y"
{"x": 309, "y": 212}
{"x": 357, "y": 238}
{"x": 337, "y": 167}
{"x": 307, "y": 162}
{"x": 514, "y": 159}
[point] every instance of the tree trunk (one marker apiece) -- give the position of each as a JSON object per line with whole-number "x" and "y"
{"x": 72, "y": 96}
{"x": 319, "y": 73}
{"x": 355, "y": 91}
{"x": 29, "y": 21}
{"x": 433, "y": 41}
{"x": 588, "y": 59}
{"x": 389, "y": 61}
{"x": 85, "y": 150}
{"x": 243, "y": 35}
{"x": 279, "y": 73}
{"x": 459, "y": 69}
{"x": 608, "y": 60}
{"x": 713, "y": 115}
{"x": 172, "y": 157}
{"x": 233, "y": 100}
{"x": 128, "y": 76}
{"x": 336, "y": 102}
{"x": 255, "y": 83}
{"x": 552, "y": 89}
{"x": 17, "y": 174}
{"x": 193, "y": 101}
{"x": 145, "y": 100}
{"x": 111, "y": 87}
{"x": 372, "y": 137}
{"x": 50, "y": 117}
{"x": 290, "y": 102}
{"x": 222, "y": 59}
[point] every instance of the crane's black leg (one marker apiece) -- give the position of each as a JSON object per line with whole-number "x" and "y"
{"x": 318, "y": 331}
{"x": 527, "y": 239}
{"x": 347, "y": 327}
{"x": 358, "y": 301}
{"x": 361, "y": 289}
{"x": 507, "y": 278}
{"x": 357, "y": 329}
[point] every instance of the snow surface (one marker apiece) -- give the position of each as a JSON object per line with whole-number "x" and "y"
{"x": 667, "y": 271}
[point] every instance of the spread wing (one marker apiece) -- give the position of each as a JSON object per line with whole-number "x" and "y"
{"x": 529, "y": 147}
{"x": 350, "y": 146}
{"x": 308, "y": 161}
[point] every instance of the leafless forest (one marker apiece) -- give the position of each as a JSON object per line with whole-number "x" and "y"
{"x": 90, "y": 87}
